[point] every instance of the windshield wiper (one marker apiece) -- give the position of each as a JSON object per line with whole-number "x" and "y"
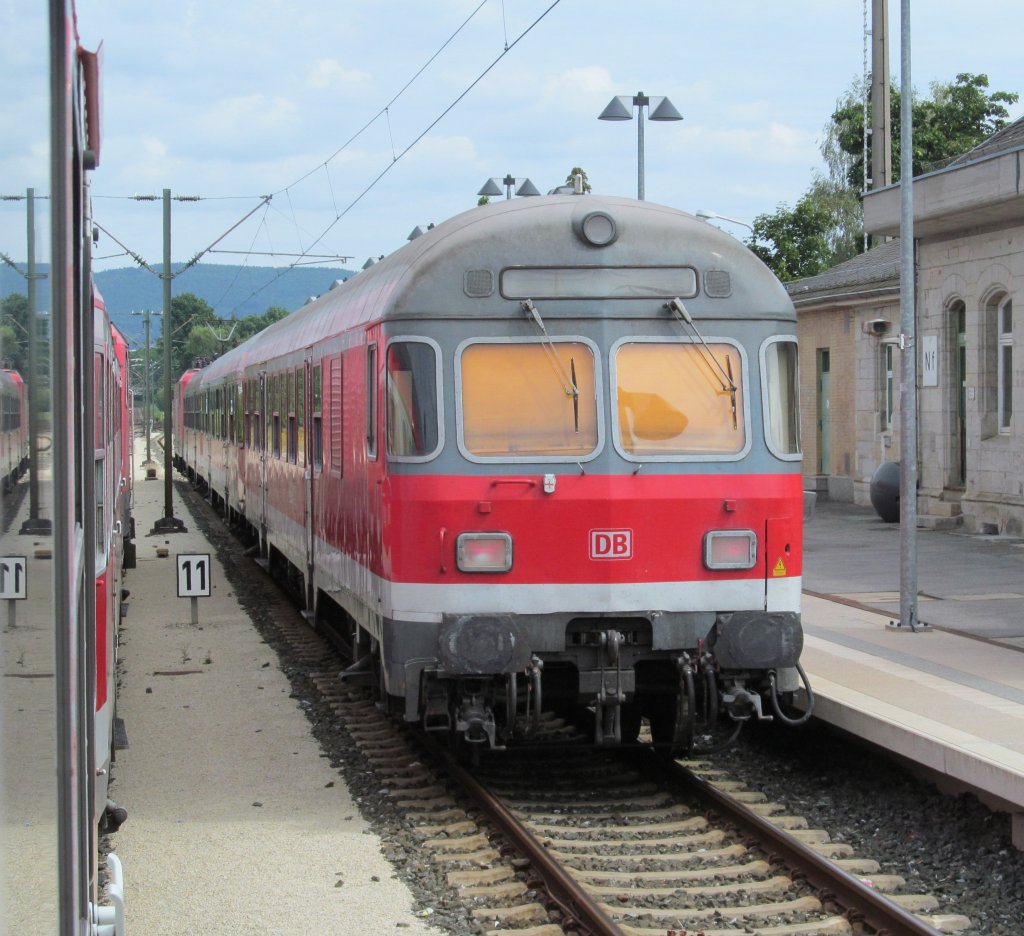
{"x": 676, "y": 307}
{"x": 568, "y": 381}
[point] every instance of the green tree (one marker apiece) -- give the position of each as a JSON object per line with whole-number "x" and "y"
{"x": 823, "y": 229}
{"x": 956, "y": 118}
{"x": 570, "y": 179}
{"x": 14, "y": 332}
{"x": 826, "y": 225}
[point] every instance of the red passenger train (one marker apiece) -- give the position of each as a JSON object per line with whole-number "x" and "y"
{"x": 13, "y": 428}
{"x": 544, "y": 456}
{"x": 91, "y": 497}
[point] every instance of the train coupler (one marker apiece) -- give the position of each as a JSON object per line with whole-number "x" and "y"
{"x": 475, "y": 721}
{"x": 741, "y": 705}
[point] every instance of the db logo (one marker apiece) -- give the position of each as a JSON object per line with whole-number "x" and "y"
{"x": 611, "y": 544}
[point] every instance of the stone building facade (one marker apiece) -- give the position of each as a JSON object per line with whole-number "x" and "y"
{"x": 969, "y": 260}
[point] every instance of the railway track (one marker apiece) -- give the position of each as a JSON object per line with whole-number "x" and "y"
{"x": 563, "y": 839}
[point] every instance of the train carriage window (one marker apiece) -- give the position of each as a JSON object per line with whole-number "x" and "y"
{"x": 337, "y": 417}
{"x": 300, "y": 416}
{"x": 246, "y": 439}
{"x": 672, "y": 399}
{"x": 318, "y": 428}
{"x": 780, "y": 384}
{"x": 412, "y": 399}
{"x": 291, "y": 434}
{"x": 276, "y": 384}
{"x": 260, "y": 422}
{"x": 518, "y": 399}
{"x": 371, "y": 400}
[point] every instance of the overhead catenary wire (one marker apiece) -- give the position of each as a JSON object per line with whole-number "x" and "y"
{"x": 306, "y": 251}
{"x": 373, "y": 183}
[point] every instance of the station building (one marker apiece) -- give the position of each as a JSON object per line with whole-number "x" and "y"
{"x": 969, "y": 263}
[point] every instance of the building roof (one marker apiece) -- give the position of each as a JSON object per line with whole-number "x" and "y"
{"x": 868, "y": 275}
{"x": 1011, "y": 137}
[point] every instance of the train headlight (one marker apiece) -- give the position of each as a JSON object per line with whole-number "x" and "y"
{"x": 730, "y": 549}
{"x": 484, "y": 552}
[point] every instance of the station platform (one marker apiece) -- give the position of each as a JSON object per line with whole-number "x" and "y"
{"x": 237, "y": 824}
{"x": 949, "y": 695}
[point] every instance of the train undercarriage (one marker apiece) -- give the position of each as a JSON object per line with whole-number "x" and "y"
{"x": 487, "y": 688}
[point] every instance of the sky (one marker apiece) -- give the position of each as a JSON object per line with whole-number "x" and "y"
{"x": 365, "y": 119}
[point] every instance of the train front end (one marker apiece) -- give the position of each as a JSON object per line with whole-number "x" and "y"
{"x": 593, "y": 501}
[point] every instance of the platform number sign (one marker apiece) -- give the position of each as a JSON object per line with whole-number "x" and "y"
{"x": 13, "y": 577}
{"x": 193, "y": 575}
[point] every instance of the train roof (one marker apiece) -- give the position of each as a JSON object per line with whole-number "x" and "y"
{"x": 445, "y": 272}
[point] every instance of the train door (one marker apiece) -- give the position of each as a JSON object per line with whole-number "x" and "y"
{"x": 265, "y": 428}
{"x": 305, "y": 407}
{"x": 227, "y": 436}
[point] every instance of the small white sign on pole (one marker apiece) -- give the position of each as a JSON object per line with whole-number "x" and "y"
{"x": 193, "y": 575}
{"x": 13, "y": 577}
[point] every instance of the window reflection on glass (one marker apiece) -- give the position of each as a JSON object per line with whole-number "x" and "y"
{"x": 29, "y": 891}
{"x": 412, "y": 418}
{"x": 517, "y": 399}
{"x": 673, "y": 400}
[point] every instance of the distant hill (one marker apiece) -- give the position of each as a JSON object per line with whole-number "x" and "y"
{"x": 237, "y": 291}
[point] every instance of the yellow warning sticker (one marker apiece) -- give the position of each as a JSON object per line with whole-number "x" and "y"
{"x": 780, "y": 567}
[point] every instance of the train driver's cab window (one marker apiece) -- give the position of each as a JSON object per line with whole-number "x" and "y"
{"x": 679, "y": 399}
{"x": 781, "y": 388}
{"x": 534, "y": 399}
{"x": 412, "y": 399}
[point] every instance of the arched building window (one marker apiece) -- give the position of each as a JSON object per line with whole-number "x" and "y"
{"x": 1004, "y": 338}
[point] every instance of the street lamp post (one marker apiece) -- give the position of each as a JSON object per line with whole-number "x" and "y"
{"x": 619, "y": 109}
{"x": 146, "y": 315}
{"x": 523, "y": 187}
{"x": 706, "y": 215}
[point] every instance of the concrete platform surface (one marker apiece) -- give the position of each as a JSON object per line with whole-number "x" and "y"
{"x": 236, "y": 824}
{"x": 949, "y": 697}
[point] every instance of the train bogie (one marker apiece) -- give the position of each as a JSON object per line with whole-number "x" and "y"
{"x": 545, "y": 455}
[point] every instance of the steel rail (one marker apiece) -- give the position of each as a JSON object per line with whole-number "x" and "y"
{"x": 572, "y": 899}
{"x": 861, "y": 903}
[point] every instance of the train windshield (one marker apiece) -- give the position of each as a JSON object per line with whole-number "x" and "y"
{"x": 673, "y": 400}
{"x": 529, "y": 399}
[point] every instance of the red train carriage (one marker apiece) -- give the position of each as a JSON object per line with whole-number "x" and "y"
{"x": 13, "y": 428}
{"x": 91, "y": 495}
{"x": 123, "y": 441}
{"x": 111, "y": 474}
{"x": 544, "y": 455}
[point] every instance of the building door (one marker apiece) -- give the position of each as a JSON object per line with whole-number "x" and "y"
{"x": 824, "y": 414}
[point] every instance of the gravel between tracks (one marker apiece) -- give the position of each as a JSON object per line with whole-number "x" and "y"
{"x": 949, "y": 846}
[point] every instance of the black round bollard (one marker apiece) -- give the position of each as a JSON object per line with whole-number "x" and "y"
{"x": 885, "y": 491}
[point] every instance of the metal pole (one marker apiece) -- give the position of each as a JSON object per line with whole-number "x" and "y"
{"x": 881, "y": 139}
{"x": 147, "y": 416}
{"x": 640, "y": 100}
{"x": 908, "y": 342}
{"x": 168, "y": 523}
{"x": 33, "y": 525}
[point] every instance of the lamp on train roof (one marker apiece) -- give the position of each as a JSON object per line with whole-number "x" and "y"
{"x": 523, "y": 187}
{"x": 621, "y": 107}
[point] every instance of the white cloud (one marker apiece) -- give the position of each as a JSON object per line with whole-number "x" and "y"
{"x": 591, "y": 81}
{"x": 330, "y": 74}
{"x": 235, "y": 122}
